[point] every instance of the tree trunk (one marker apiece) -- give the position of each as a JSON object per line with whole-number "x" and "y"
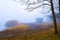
{"x": 54, "y": 17}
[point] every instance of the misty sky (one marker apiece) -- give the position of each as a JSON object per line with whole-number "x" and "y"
{"x": 10, "y": 10}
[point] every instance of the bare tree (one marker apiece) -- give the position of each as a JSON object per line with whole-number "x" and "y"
{"x": 39, "y": 3}
{"x": 54, "y": 17}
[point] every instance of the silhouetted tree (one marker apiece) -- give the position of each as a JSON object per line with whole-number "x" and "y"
{"x": 54, "y": 17}
{"x": 38, "y": 3}
{"x": 11, "y": 23}
{"x": 39, "y": 20}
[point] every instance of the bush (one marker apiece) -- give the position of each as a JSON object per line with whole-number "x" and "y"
{"x": 11, "y": 23}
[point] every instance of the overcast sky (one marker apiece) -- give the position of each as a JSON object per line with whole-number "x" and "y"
{"x": 10, "y": 10}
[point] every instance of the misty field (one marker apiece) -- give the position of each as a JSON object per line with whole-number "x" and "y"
{"x": 44, "y": 31}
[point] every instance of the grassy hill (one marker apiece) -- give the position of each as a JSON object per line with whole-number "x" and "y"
{"x": 36, "y": 34}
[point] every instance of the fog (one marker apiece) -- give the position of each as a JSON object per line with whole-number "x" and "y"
{"x": 10, "y": 10}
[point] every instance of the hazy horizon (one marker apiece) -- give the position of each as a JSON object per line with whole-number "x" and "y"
{"x": 10, "y": 10}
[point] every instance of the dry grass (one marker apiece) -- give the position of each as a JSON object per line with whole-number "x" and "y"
{"x": 22, "y": 27}
{"x": 34, "y": 35}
